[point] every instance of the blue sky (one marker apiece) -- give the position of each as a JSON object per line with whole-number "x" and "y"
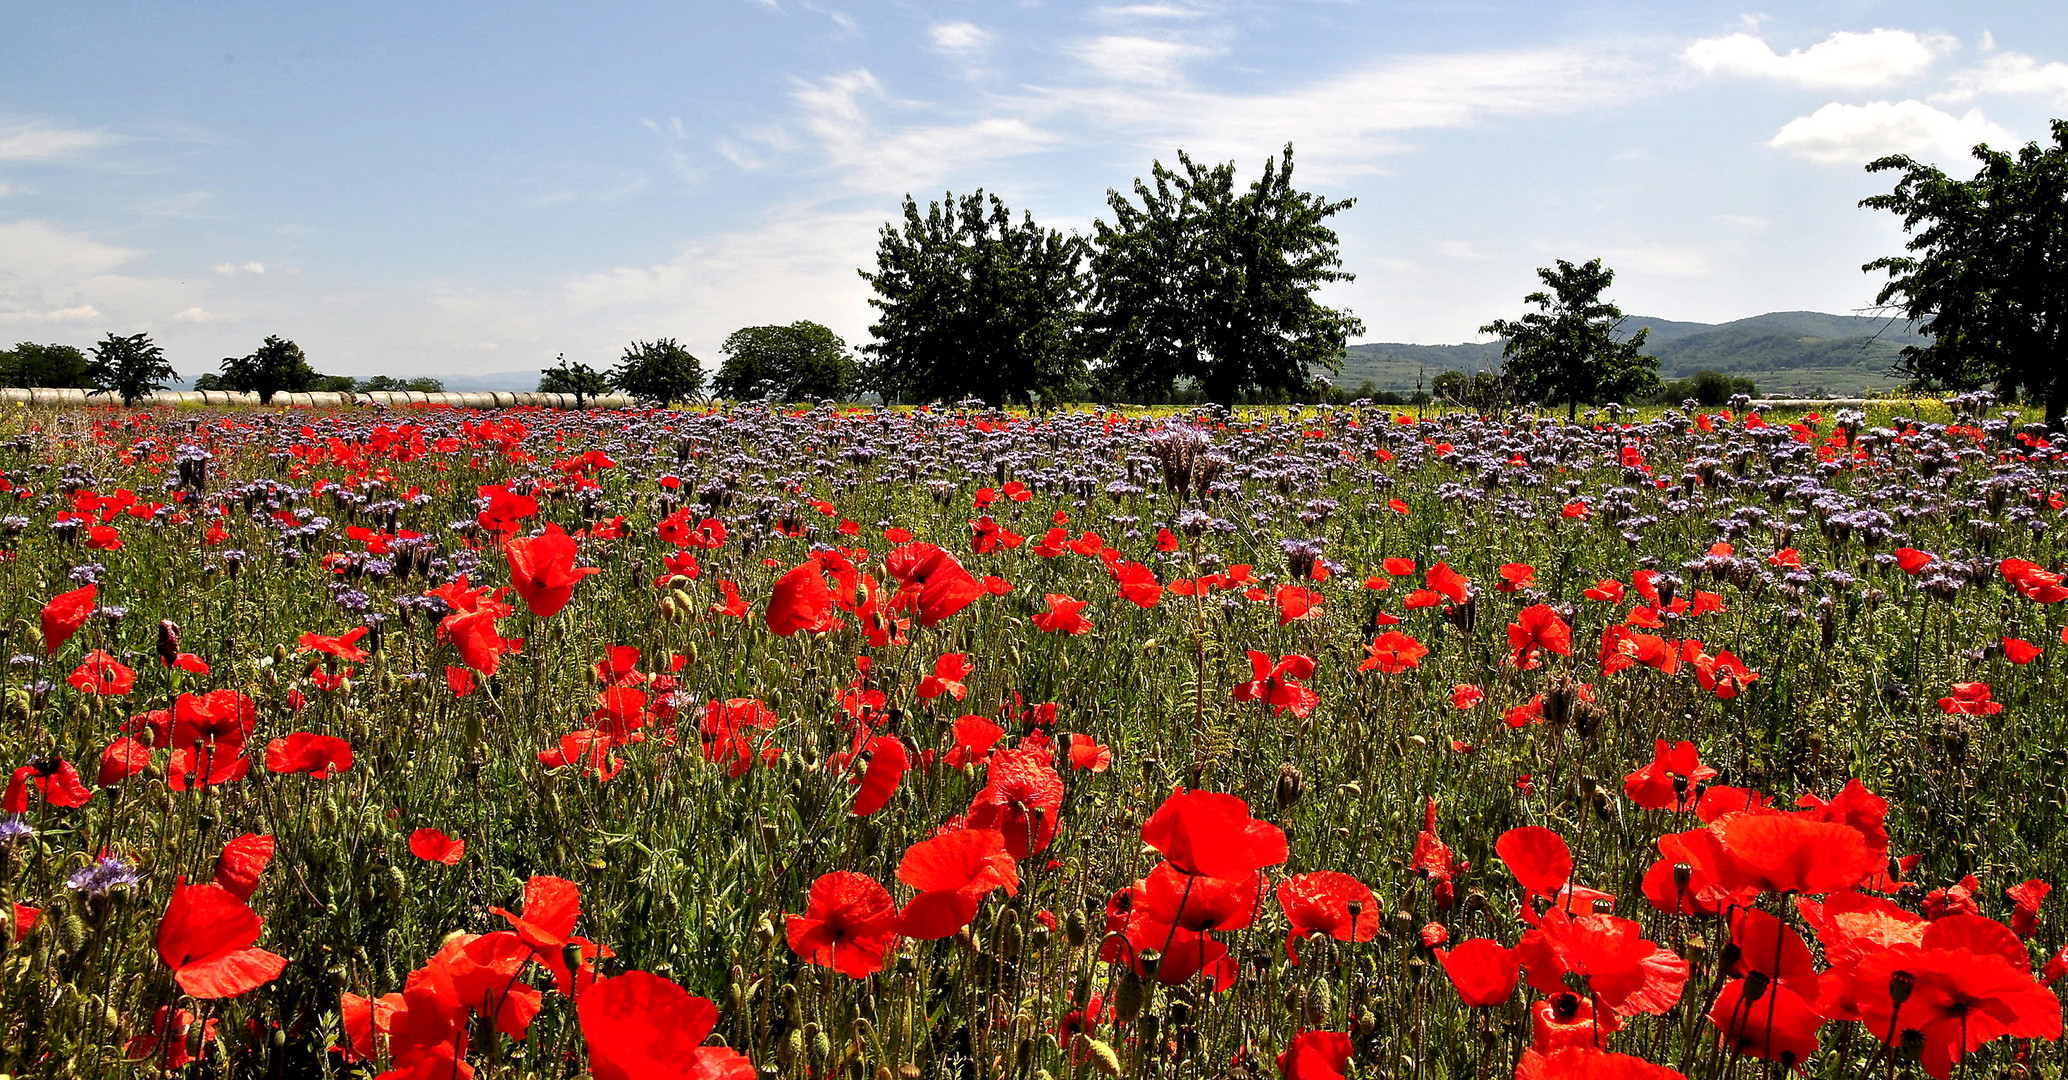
{"x": 456, "y": 188}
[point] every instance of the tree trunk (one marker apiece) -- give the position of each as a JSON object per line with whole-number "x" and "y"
{"x": 2056, "y": 404}
{"x": 1572, "y": 410}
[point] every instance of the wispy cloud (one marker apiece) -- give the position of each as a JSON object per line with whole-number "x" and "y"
{"x": 867, "y": 155}
{"x": 196, "y": 315}
{"x": 1845, "y": 60}
{"x": 1840, "y": 134}
{"x": 26, "y": 140}
{"x": 959, "y": 38}
{"x": 81, "y": 313}
{"x": 2012, "y": 75}
{"x": 229, "y": 268}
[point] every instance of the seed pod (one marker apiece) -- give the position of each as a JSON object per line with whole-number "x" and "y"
{"x": 1127, "y": 996}
{"x": 1291, "y": 785}
{"x": 1098, "y": 1053}
{"x": 792, "y": 1047}
{"x": 1074, "y": 929}
{"x": 821, "y": 1049}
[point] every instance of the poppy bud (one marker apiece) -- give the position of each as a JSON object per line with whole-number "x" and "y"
{"x": 1098, "y": 1052}
{"x": 1074, "y": 929}
{"x": 1008, "y": 943}
{"x": 168, "y": 642}
{"x": 1127, "y": 996}
{"x": 821, "y": 1049}
{"x": 1291, "y": 785}
{"x": 791, "y": 1048}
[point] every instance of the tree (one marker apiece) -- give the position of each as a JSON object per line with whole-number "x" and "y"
{"x": 278, "y": 366}
{"x": 801, "y": 361}
{"x": 29, "y": 364}
{"x": 422, "y": 384}
{"x": 1204, "y": 283}
{"x": 971, "y": 305}
{"x": 581, "y": 380}
{"x": 1987, "y": 273}
{"x": 129, "y": 367}
{"x": 658, "y": 372}
{"x": 1570, "y": 351}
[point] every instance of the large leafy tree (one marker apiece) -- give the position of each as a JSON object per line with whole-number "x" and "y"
{"x": 129, "y": 367}
{"x": 1987, "y": 273}
{"x": 581, "y": 380}
{"x": 800, "y": 361}
{"x": 1197, "y": 280}
{"x": 276, "y": 366}
{"x": 658, "y": 372}
{"x": 1571, "y": 350}
{"x": 29, "y": 364}
{"x": 970, "y": 304}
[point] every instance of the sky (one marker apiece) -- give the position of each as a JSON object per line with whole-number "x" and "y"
{"x": 463, "y": 188}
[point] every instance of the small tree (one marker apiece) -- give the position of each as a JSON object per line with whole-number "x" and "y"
{"x": 802, "y": 361}
{"x": 278, "y": 366}
{"x": 129, "y": 367}
{"x": 1987, "y": 273}
{"x": 422, "y": 384}
{"x": 29, "y": 364}
{"x": 1568, "y": 351}
{"x": 581, "y": 380}
{"x": 658, "y": 372}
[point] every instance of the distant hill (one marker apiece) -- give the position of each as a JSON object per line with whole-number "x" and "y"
{"x": 1785, "y": 352}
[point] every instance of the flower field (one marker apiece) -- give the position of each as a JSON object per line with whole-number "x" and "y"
{"x": 425, "y": 743}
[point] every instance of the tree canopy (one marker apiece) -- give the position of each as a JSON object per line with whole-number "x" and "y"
{"x": 1568, "y": 351}
{"x": 970, "y": 304}
{"x": 1206, "y": 283}
{"x": 801, "y": 361}
{"x": 129, "y": 367}
{"x": 29, "y": 364}
{"x": 1987, "y": 271}
{"x": 658, "y": 372}
{"x": 276, "y": 366}
{"x": 581, "y": 380}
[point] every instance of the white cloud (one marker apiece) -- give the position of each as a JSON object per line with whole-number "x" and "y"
{"x": 1840, "y": 134}
{"x": 2012, "y": 74}
{"x": 227, "y": 269}
{"x": 1845, "y": 60}
{"x": 1142, "y": 60}
{"x": 34, "y": 255}
{"x": 24, "y": 141}
{"x": 868, "y": 158}
{"x": 960, "y": 38}
{"x": 77, "y": 314}
{"x": 1147, "y": 11}
{"x": 196, "y": 315}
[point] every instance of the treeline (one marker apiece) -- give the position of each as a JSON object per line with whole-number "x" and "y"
{"x": 277, "y": 366}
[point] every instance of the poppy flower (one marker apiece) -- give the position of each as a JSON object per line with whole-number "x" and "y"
{"x": 1138, "y": 585}
{"x": 589, "y": 749}
{"x": 124, "y": 758}
{"x": 1766, "y": 1020}
{"x": 1703, "y": 892}
{"x": 1961, "y": 987}
{"x": 1516, "y": 577}
{"x": 543, "y": 572}
{"x": 974, "y": 738}
{"x": 1589, "y": 1063}
{"x": 1913, "y": 561}
{"x": 1433, "y": 859}
{"x": 1398, "y": 567}
{"x": 1464, "y": 696}
{"x": 801, "y": 600}
{"x": 242, "y": 862}
{"x": 1538, "y": 857}
{"x": 1021, "y": 796}
{"x": 1316, "y": 1055}
{"x": 1212, "y": 834}
{"x": 482, "y": 971}
{"x": 2033, "y": 582}
{"x": 100, "y": 673}
{"x": 480, "y": 645}
{"x": 1790, "y": 853}
{"x": 1483, "y": 972}
{"x": 165, "y": 1046}
{"x": 849, "y": 924}
{"x": 1537, "y": 628}
{"x": 931, "y": 583}
{"x": 1296, "y": 603}
{"x": 1444, "y": 581}
{"x": 639, "y": 1026}
{"x": 2026, "y": 899}
{"x": 1607, "y": 590}
{"x": 344, "y": 646}
{"x": 1278, "y": 683}
{"x": 1855, "y": 806}
{"x": 878, "y": 782}
{"x": 1088, "y": 755}
{"x": 1064, "y": 616}
{"x": 1672, "y": 781}
{"x": 1197, "y": 902}
{"x": 64, "y": 614}
{"x": 55, "y": 779}
{"x": 206, "y": 938}
{"x": 1970, "y": 699}
{"x": 1393, "y": 652}
{"x": 459, "y": 680}
{"x": 1322, "y": 903}
{"x": 2019, "y": 651}
{"x": 321, "y": 756}
{"x": 432, "y": 845}
{"x": 953, "y": 873}
{"x": 1626, "y": 973}
{"x": 949, "y": 671}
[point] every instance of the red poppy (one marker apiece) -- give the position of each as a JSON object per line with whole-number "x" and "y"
{"x": 124, "y": 758}
{"x": 1588, "y": 1063}
{"x": 1443, "y": 580}
{"x": 1970, "y": 699}
{"x": 1392, "y": 652}
{"x": 55, "y": 779}
{"x": 1464, "y": 696}
{"x": 1672, "y": 781}
{"x": 474, "y": 634}
{"x": 2026, "y": 898}
{"x": 1766, "y": 1020}
{"x": 1316, "y": 1055}
{"x": 1433, "y": 858}
{"x": 432, "y": 845}
{"x": 242, "y": 862}
{"x": 1538, "y": 857}
{"x": 206, "y": 939}
{"x": 321, "y": 756}
{"x": 100, "y": 673}
{"x": 1138, "y": 584}
{"x": 974, "y": 738}
{"x": 1626, "y": 973}
{"x": 930, "y": 583}
{"x": 1483, "y": 971}
{"x": 1064, "y": 616}
{"x": 1277, "y": 683}
{"x": 166, "y": 1044}
{"x": 1791, "y": 853}
{"x": 1212, "y": 834}
{"x": 64, "y": 614}
{"x": 1607, "y": 590}
{"x": 801, "y": 600}
{"x": 1296, "y": 603}
{"x": 1322, "y": 903}
{"x": 2033, "y": 582}
{"x": 345, "y": 646}
{"x": 639, "y": 1026}
{"x": 1398, "y": 567}
{"x": 850, "y": 924}
{"x": 2019, "y": 651}
{"x": 1536, "y": 628}
{"x": 879, "y": 781}
{"x": 1516, "y": 577}
{"x": 949, "y": 671}
{"x": 1088, "y": 755}
{"x": 590, "y": 749}
{"x": 543, "y": 572}
{"x": 953, "y": 873}
{"x": 459, "y": 680}
{"x": 1021, "y": 796}
{"x": 1967, "y": 983}
{"x": 1913, "y": 561}
{"x": 1703, "y": 892}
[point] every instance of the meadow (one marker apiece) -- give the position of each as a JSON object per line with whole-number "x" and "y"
{"x": 816, "y": 742}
